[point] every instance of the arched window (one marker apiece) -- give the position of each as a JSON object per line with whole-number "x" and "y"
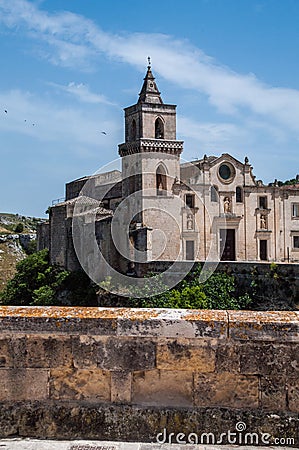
{"x": 239, "y": 194}
{"x": 161, "y": 185}
{"x": 159, "y": 129}
{"x": 133, "y": 130}
{"x": 214, "y": 194}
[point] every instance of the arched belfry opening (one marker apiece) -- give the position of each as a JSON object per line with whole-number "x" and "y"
{"x": 159, "y": 129}
{"x": 161, "y": 184}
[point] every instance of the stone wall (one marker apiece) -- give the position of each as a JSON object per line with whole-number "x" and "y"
{"x": 287, "y": 277}
{"x": 128, "y": 374}
{"x": 43, "y": 236}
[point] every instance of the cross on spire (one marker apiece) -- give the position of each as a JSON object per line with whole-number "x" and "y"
{"x": 149, "y": 91}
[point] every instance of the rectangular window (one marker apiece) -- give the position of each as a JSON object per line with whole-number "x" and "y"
{"x": 190, "y": 250}
{"x": 296, "y": 242}
{"x": 263, "y": 202}
{"x": 295, "y": 210}
{"x": 190, "y": 200}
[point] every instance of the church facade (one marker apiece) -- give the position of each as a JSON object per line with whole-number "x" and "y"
{"x": 160, "y": 209}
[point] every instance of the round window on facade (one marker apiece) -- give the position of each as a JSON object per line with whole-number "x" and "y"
{"x": 226, "y": 172}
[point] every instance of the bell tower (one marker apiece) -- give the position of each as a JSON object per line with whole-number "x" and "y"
{"x": 150, "y": 146}
{"x": 150, "y": 167}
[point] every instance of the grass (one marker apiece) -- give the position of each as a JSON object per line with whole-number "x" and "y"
{"x": 9, "y": 221}
{"x": 10, "y": 252}
{"x": 9, "y": 258}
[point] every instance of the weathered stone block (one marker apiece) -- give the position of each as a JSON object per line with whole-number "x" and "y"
{"x": 87, "y": 350}
{"x": 23, "y": 384}
{"x": 173, "y": 323}
{"x": 274, "y": 393}
{"x": 168, "y": 327}
{"x": 226, "y": 389}
{"x": 127, "y": 354}
{"x": 264, "y": 326}
{"x": 208, "y": 324}
{"x": 55, "y": 351}
{"x": 114, "y": 353}
{"x": 293, "y": 394}
{"x": 270, "y": 359}
{"x": 6, "y": 353}
{"x": 70, "y": 320}
{"x": 121, "y": 386}
{"x": 228, "y": 357}
{"x": 80, "y": 384}
{"x": 162, "y": 387}
{"x": 181, "y": 354}
{"x": 35, "y": 351}
{"x": 107, "y": 422}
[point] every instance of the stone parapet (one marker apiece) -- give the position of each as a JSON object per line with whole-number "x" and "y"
{"x": 168, "y": 362}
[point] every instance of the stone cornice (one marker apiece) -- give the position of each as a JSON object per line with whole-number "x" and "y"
{"x": 124, "y": 322}
{"x": 151, "y": 146}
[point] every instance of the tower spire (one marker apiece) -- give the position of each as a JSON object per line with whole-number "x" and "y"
{"x": 149, "y": 92}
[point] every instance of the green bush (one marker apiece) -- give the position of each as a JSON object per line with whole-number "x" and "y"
{"x": 32, "y": 247}
{"x": 37, "y": 282}
{"x": 43, "y": 296}
{"x": 191, "y": 297}
{"x": 218, "y": 292}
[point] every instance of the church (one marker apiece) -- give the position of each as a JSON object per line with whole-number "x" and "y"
{"x": 159, "y": 209}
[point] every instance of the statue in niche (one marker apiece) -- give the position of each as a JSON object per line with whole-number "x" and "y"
{"x": 226, "y": 205}
{"x": 263, "y": 222}
{"x": 190, "y": 223}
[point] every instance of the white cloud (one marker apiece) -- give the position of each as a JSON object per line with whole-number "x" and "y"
{"x": 83, "y": 93}
{"x": 53, "y": 123}
{"x": 209, "y": 134}
{"x": 74, "y": 38}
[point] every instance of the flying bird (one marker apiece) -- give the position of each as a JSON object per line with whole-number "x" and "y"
{"x": 5, "y": 111}
{"x": 103, "y": 132}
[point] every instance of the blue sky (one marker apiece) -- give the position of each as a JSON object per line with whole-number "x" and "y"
{"x": 69, "y": 67}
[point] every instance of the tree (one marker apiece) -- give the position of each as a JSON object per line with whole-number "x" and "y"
{"x": 37, "y": 282}
{"x": 19, "y": 228}
{"x": 218, "y": 292}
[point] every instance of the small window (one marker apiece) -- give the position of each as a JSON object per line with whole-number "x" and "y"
{"x": 159, "y": 129}
{"x": 239, "y": 194}
{"x": 296, "y": 242}
{"x": 133, "y": 130}
{"x": 190, "y": 250}
{"x": 295, "y": 210}
{"x": 263, "y": 202}
{"x": 214, "y": 194}
{"x": 190, "y": 200}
